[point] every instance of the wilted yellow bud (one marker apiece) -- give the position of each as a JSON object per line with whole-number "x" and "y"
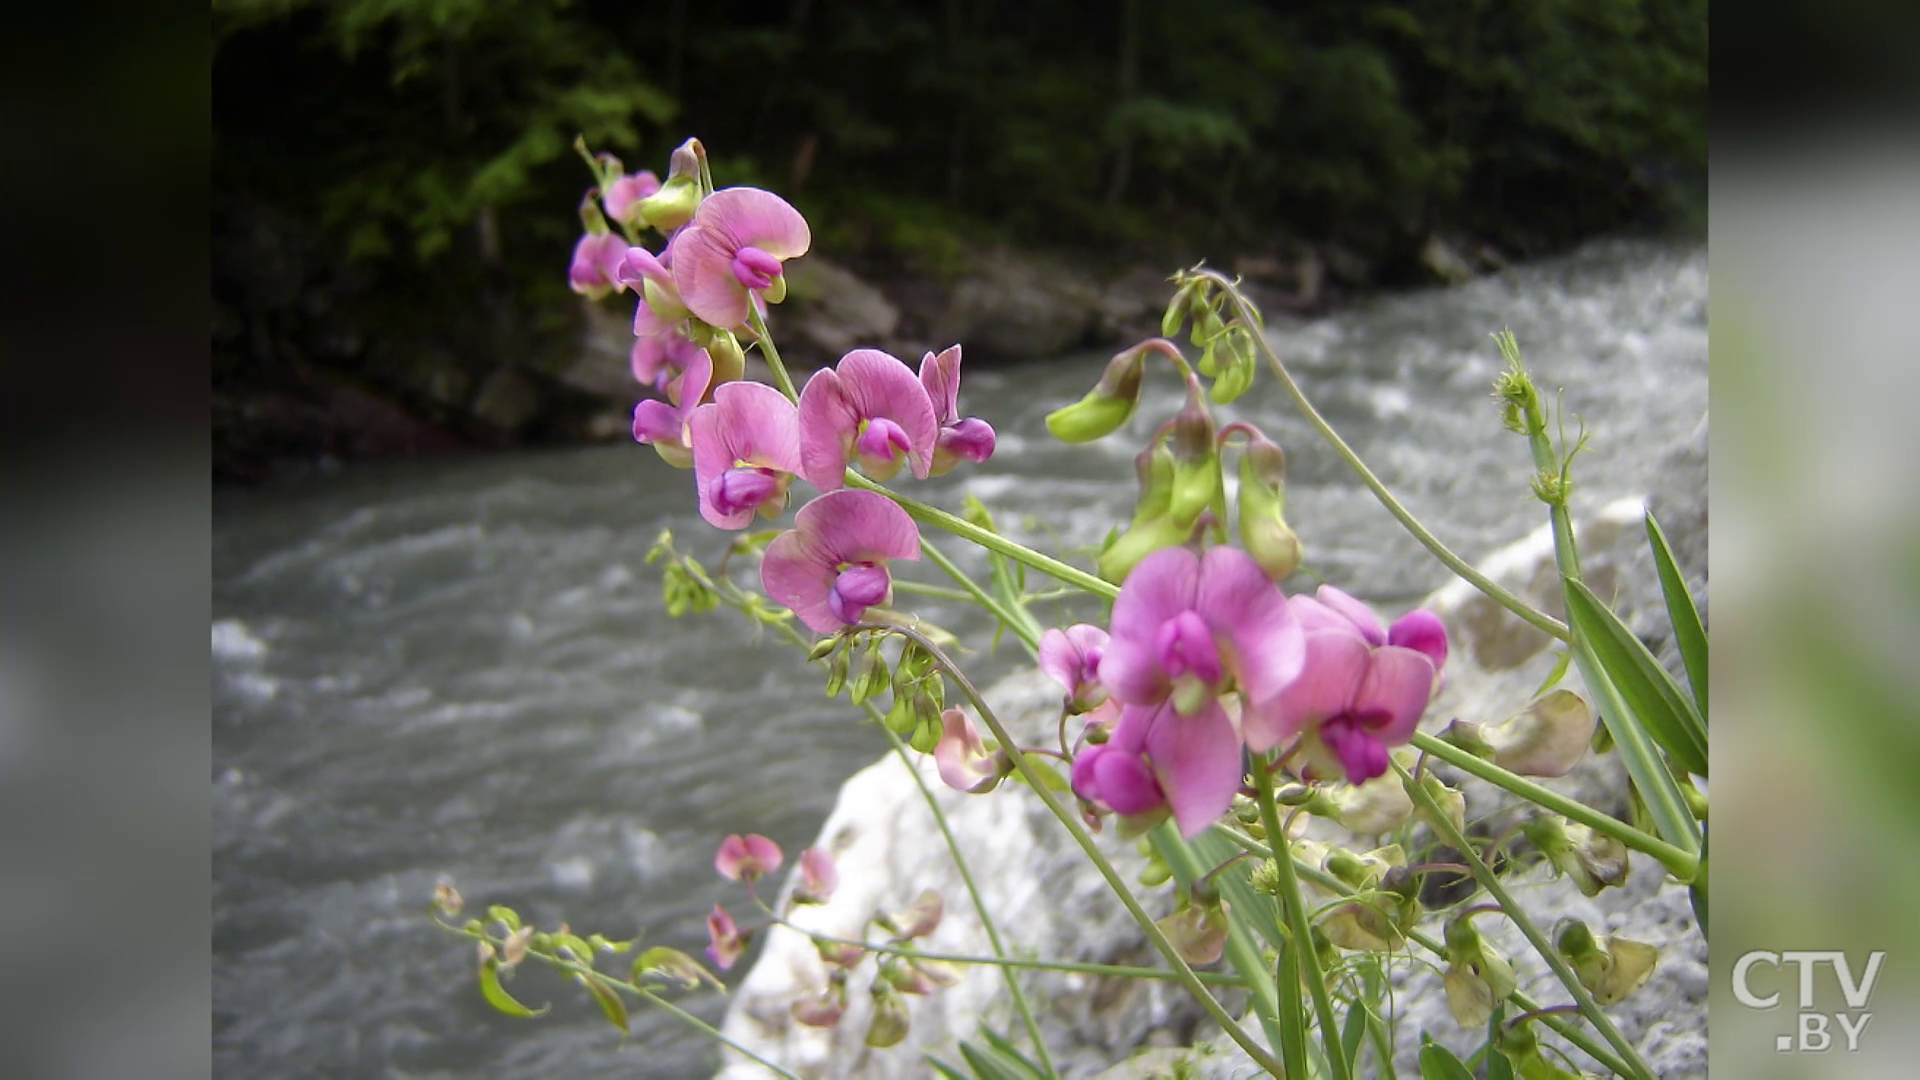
{"x": 1198, "y": 932}
{"x": 1609, "y": 967}
{"x": 1548, "y": 739}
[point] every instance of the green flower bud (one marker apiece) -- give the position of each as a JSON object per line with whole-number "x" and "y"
{"x": 1264, "y": 531}
{"x": 1196, "y": 458}
{"x": 1478, "y": 978}
{"x": 837, "y": 669}
{"x": 1197, "y": 931}
{"x": 673, "y": 205}
{"x": 1108, "y": 405}
{"x": 1238, "y": 368}
{"x": 1609, "y": 967}
{"x": 1181, "y": 305}
{"x": 1152, "y": 527}
{"x": 1593, "y": 860}
{"x": 889, "y": 1024}
{"x": 873, "y": 675}
{"x": 729, "y": 360}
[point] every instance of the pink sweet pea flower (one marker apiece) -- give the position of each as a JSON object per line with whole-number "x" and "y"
{"x": 964, "y": 761}
{"x": 1071, "y": 657}
{"x": 663, "y": 424}
{"x": 725, "y": 941}
{"x": 869, "y": 410}
{"x": 1362, "y": 691}
{"x": 970, "y": 439}
{"x": 622, "y": 195}
{"x": 818, "y": 877}
{"x": 747, "y": 858}
{"x": 1158, "y": 761}
{"x": 1191, "y": 627}
{"x": 735, "y": 244}
{"x": 746, "y": 448}
{"x": 595, "y": 270}
{"x": 832, "y": 565}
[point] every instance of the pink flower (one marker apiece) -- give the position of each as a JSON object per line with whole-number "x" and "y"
{"x": 747, "y": 858}
{"x": 1072, "y": 658}
{"x": 870, "y": 410}
{"x": 595, "y": 270}
{"x": 622, "y": 195}
{"x": 663, "y": 424}
{"x": 832, "y": 565}
{"x": 1190, "y": 628}
{"x": 746, "y": 448}
{"x": 818, "y": 877}
{"x": 725, "y": 942}
{"x": 1362, "y": 690}
{"x": 964, "y": 761}
{"x": 736, "y": 242}
{"x": 1159, "y": 761}
{"x": 970, "y": 439}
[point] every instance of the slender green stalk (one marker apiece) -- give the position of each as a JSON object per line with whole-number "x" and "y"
{"x": 780, "y": 377}
{"x": 1242, "y": 950}
{"x": 1490, "y": 881}
{"x": 1031, "y": 774}
{"x": 966, "y": 530}
{"x": 1074, "y": 967}
{"x": 1022, "y": 624}
{"x": 938, "y": 592}
{"x": 1440, "y": 551}
{"x": 1296, "y": 914}
{"x": 1681, "y": 863}
{"x": 1020, "y": 1004}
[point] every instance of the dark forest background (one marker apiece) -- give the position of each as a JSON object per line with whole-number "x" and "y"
{"x": 394, "y": 182}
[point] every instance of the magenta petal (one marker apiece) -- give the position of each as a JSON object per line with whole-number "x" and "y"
{"x": 877, "y": 384}
{"x": 1336, "y": 661}
{"x": 1359, "y": 614}
{"x": 940, "y": 375}
{"x": 828, "y": 425}
{"x": 703, "y": 273}
{"x": 1394, "y": 693}
{"x": 860, "y": 526}
{"x": 971, "y": 439}
{"x": 1126, "y": 785}
{"x": 1085, "y": 779}
{"x": 656, "y": 421}
{"x": 1197, "y": 759}
{"x": 750, "y": 217}
{"x": 1060, "y": 659}
{"x": 758, "y": 426}
{"x": 1423, "y": 632}
{"x": 798, "y": 574}
{"x": 1160, "y": 587}
{"x": 1245, "y": 608}
{"x": 1362, "y": 756}
{"x": 1313, "y": 615}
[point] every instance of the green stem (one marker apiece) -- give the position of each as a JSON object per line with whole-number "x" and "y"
{"x": 1302, "y": 933}
{"x": 1031, "y": 774}
{"x": 780, "y": 377}
{"x": 1213, "y": 978}
{"x": 1020, "y": 1004}
{"x": 1022, "y": 624}
{"x": 966, "y": 530}
{"x": 1242, "y": 950}
{"x": 939, "y": 592}
{"x": 1412, "y": 524}
{"x": 1437, "y": 818}
{"x": 1683, "y": 864}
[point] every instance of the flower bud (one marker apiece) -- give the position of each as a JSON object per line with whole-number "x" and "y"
{"x": 1264, "y": 531}
{"x": 920, "y": 918}
{"x": 673, "y": 205}
{"x": 1236, "y": 367}
{"x": 1548, "y": 739}
{"x": 818, "y": 877}
{"x": 1593, "y": 860}
{"x": 1364, "y": 923}
{"x": 1153, "y": 527}
{"x": 889, "y": 1024}
{"x": 825, "y": 1009}
{"x": 872, "y": 676}
{"x": 1478, "y": 978}
{"x": 1182, "y": 303}
{"x": 1107, "y": 405}
{"x": 1469, "y": 736}
{"x": 1197, "y": 931}
{"x": 729, "y": 361}
{"x": 1196, "y": 458}
{"x": 837, "y": 669}
{"x": 1380, "y": 805}
{"x": 1609, "y": 967}
{"x": 1451, "y": 803}
{"x": 447, "y": 898}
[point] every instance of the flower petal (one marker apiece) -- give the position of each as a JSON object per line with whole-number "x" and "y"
{"x": 940, "y": 375}
{"x": 1197, "y": 759}
{"x": 1356, "y": 612}
{"x": 1162, "y": 586}
{"x": 750, "y": 217}
{"x": 1394, "y": 693}
{"x": 877, "y": 384}
{"x": 703, "y": 273}
{"x": 798, "y": 573}
{"x": 1247, "y": 612}
{"x": 859, "y": 526}
{"x": 1336, "y": 661}
{"x": 1423, "y": 632}
{"x": 828, "y": 424}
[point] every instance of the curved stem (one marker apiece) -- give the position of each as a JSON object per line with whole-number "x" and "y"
{"x": 1485, "y": 584}
{"x": 1031, "y": 774}
{"x": 1023, "y": 625}
{"x": 1679, "y": 862}
{"x": 966, "y": 530}
{"x": 1296, "y": 916}
{"x": 999, "y": 948}
{"x": 1490, "y": 881}
{"x": 780, "y": 377}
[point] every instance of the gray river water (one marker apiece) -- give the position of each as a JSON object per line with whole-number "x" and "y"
{"x": 463, "y": 667}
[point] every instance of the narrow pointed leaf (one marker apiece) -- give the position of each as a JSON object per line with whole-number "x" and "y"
{"x": 1438, "y": 1063}
{"x": 497, "y": 995}
{"x": 1351, "y": 1033}
{"x": 1004, "y": 1045}
{"x": 1688, "y": 632}
{"x": 1666, "y": 714}
{"x": 609, "y": 1002}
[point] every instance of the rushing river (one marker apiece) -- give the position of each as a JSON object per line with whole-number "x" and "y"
{"x": 463, "y": 667}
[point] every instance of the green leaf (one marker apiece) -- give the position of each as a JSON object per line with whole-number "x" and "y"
{"x": 609, "y": 1002}
{"x": 1649, "y": 692}
{"x": 946, "y": 1071}
{"x": 1565, "y": 657}
{"x": 1438, "y": 1063}
{"x": 673, "y": 964}
{"x": 497, "y": 995}
{"x": 990, "y": 1064}
{"x": 506, "y": 916}
{"x": 1004, "y": 1045}
{"x": 1498, "y": 1067}
{"x": 1688, "y": 633}
{"x": 1352, "y": 1032}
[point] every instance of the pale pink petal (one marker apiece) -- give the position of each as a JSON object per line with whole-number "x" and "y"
{"x": 819, "y": 877}
{"x": 744, "y": 858}
{"x": 1162, "y": 586}
{"x": 827, "y": 427}
{"x": 750, "y": 217}
{"x": 695, "y": 381}
{"x": 798, "y": 573}
{"x": 859, "y": 526}
{"x": 703, "y": 274}
{"x": 962, "y": 758}
{"x": 655, "y": 421}
{"x": 759, "y": 426}
{"x": 1336, "y": 661}
{"x": 1423, "y": 632}
{"x": 624, "y": 192}
{"x": 1362, "y": 616}
{"x": 1314, "y": 615}
{"x": 1060, "y": 659}
{"x": 1197, "y": 760}
{"x": 940, "y": 375}
{"x": 1394, "y": 693}
{"x": 1248, "y": 614}
{"x": 877, "y": 384}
